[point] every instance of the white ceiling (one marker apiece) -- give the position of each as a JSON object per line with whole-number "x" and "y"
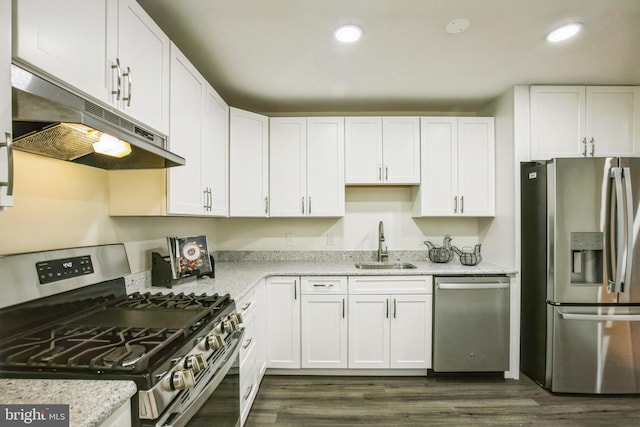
{"x": 275, "y": 56}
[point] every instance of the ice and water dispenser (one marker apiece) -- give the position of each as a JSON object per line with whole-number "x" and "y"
{"x": 586, "y": 258}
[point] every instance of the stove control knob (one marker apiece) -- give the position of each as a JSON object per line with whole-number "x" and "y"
{"x": 196, "y": 363}
{"x": 229, "y": 326}
{"x": 237, "y": 317}
{"x": 212, "y": 342}
{"x": 180, "y": 380}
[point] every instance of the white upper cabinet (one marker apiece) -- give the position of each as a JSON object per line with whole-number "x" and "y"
{"x": 110, "y": 50}
{"x": 579, "y": 121}
{"x": 458, "y": 167}
{"x": 287, "y": 166}
{"x": 306, "y": 166}
{"x": 6, "y": 158}
{"x": 248, "y": 164}
{"x": 382, "y": 150}
{"x": 68, "y": 40}
{"x": 200, "y": 133}
{"x": 143, "y": 54}
{"x": 215, "y": 153}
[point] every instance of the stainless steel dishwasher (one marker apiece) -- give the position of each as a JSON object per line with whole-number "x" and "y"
{"x": 471, "y": 324}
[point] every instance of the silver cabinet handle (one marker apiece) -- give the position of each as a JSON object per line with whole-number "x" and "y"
{"x": 309, "y": 203}
{"x": 395, "y": 308}
{"x": 118, "y": 90}
{"x": 343, "y": 308}
{"x": 206, "y": 198}
{"x": 461, "y": 205}
{"x": 295, "y": 289}
{"x": 302, "y": 205}
{"x": 210, "y": 199}
{"x": 584, "y": 150}
{"x": 386, "y": 173}
{"x": 247, "y": 343}
{"x": 455, "y": 204}
{"x": 380, "y": 173}
{"x": 387, "y": 308}
{"x": 9, "y": 144}
{"x": 266, "y": 205}
{"x": 246, "y": 396}
{"x": 128, "y": 76}
{"x": 246, "y": 306}
{"x": 323, "y": 285}
{"x": 593, "y": 146}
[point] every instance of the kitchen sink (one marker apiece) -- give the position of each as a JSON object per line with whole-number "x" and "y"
{"x": 396, "y": 266}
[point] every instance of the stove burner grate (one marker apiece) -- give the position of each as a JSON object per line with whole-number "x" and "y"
{"x": 94, "y": 348}
{"x": 175, "y": 301}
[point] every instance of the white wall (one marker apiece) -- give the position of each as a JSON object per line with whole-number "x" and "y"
{"x": 60, "y": 204}
{"x": 357, "y": 230}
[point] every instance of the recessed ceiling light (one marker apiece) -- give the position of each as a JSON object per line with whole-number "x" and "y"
{"x": 563, "y": 33}
{"x": 458, "y": 25}
{"x": 348, "y": 33}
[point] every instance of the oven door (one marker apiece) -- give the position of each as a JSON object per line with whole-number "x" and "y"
{"x": 216, "y": 401}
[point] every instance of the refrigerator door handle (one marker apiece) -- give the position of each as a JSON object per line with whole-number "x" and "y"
{"x": 626, "y": 173}
{"x": 600, "y": 317}
{"x": 615, "y": 284}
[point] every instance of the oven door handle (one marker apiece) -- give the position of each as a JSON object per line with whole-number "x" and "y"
{"x": 182, "y": 418}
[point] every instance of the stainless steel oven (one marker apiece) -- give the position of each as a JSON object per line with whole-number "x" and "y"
{"x": 70, "y": 317}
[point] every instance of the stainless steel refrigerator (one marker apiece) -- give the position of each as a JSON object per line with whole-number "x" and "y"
{"x": 580, "y": 274}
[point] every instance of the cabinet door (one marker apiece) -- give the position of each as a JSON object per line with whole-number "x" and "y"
{"x": 363, "y": 150}
{"x": 557, "y": 121}
{"x": 283, "y": 322}
{"x": 325, "y": 166}
{"x": 411, "y": 331}
{"x": 476, "y": 166}
{"x": 439, "y": 184}
{"x": 260, "y": 298}
{"x": 324, "y": 331}
{"x": 612, "y": 120}
{"x": 215, "y": 152}
{"x": 369, "y": 331}
{"x": 6, "y": 198}
{"x": 143, "y": 50}
{"x": 248, "y": 164}
{"x": 287, "y": 166}
{"x": 67, "y": 40}
{"x": 401, "y": 150}
{"x": 186, "y": 194}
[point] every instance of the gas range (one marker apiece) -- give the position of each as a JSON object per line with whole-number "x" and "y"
{"x": 176, "y": 347}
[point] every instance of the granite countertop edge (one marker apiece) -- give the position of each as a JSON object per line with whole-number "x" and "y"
{"x": 238, "y": 278}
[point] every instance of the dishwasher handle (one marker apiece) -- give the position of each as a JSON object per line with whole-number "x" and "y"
{"x": 468, "y": 286}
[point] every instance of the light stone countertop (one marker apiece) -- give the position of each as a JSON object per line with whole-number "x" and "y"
{"x": 90, "y": 402}
{"x": 238, "y": 277}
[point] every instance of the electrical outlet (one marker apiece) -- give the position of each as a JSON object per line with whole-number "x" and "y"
{"x": 331, "y": 239}
{"x": 290, "y": 239}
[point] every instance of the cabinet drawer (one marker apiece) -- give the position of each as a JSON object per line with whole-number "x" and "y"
{"x": 246, "y": 305}
{"x": 376, "y": 285}
{"x": 249, "y": 340}
{"x": 324, "y": 285}
{"x": 248, "y": 385}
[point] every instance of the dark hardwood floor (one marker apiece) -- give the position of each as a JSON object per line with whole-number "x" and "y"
{"x": 430, "y": 401}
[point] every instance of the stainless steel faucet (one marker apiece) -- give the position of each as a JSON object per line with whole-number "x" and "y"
{"x": 383, "y": 255}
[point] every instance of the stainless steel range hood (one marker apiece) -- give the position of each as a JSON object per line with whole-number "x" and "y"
{"x": 54, "y": 122}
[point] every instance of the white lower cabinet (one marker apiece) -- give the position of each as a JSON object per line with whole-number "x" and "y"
{"x": 283, "y": 322}
{"x": 252, "y": 350}
{"x": 324, "y": 322}
{"x": 390, "y": 322}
